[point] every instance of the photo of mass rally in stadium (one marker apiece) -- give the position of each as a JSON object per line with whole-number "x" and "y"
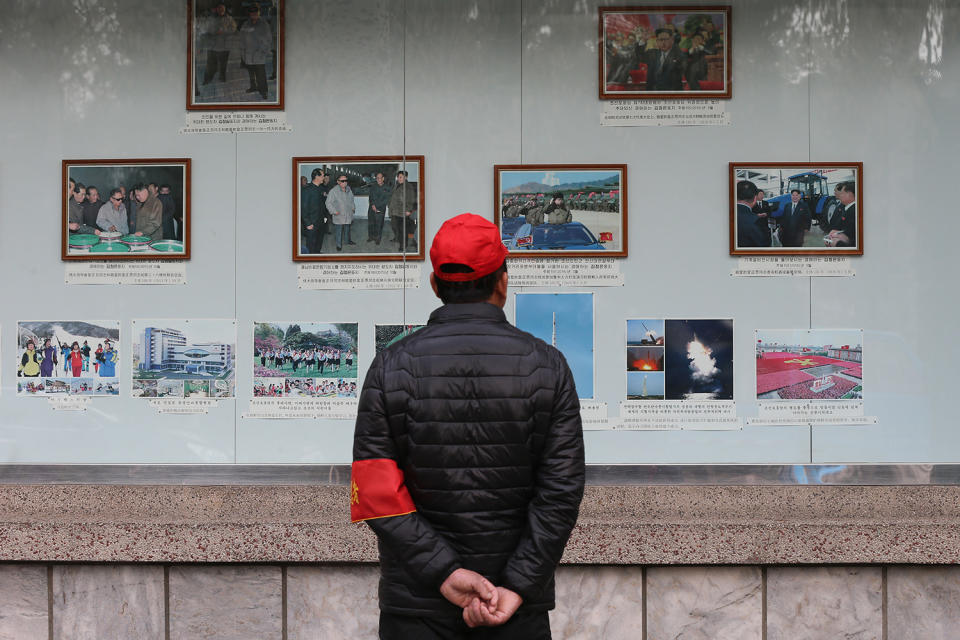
{"x": 562, "y": 210}
{"x": 809, "y": 364}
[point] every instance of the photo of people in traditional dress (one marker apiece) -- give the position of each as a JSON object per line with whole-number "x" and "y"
{"x": 387, "y": 335}
{"x": 564, "y": 320}
{"x": 809, "y": 364}
{"x": 68, "y": 357}
{"x": 129, "y": 210}
{"x": 561, "y": 210}
{"x": 199, "y": 352}
{"x": 358, "y": 208}
{"x": 799, "y": 209}
{"x": 698, "y": 363}
{"x": 664, "y": 52}
{"x": 305, "y": 359}
{"x": 235, "y": 56}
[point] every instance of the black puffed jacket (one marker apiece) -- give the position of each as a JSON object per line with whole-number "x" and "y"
{"x": 484, "y": 422}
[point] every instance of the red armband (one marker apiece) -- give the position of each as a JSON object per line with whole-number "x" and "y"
{"x": 377, "y": 490}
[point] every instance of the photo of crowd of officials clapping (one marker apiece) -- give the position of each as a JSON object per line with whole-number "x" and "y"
{"x": 235, "y": 52}
{"x": 797, "y": 210}
{"x": 647, "y": 52}
{"x": 125, "y": 208}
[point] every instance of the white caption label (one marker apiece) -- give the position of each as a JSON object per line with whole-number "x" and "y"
{"x": 794, "y": 412}
{"x": 565, "y": 272}
{"x": 679, "y": 414}
{"x": 69, "y": 403}
{"x": 793, "y": 266}
{"x": 664, "y": 113}
{"x": 356, "y": 275}
{"x": 593, "y": 415}
{"x": 183, "y": 405}
{"x": 140, "y": 272}
{"x": 237, "y": 122}
{"x": 310, "y": 408}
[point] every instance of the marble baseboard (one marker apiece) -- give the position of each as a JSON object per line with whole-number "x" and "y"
{"x": 636, "y": 525}
{"x": 23, "y": 602}
{"x": 125, "y": 601}
{"x": 228, "y": 602}
{"x": 923, "y": 602}
{"x": 332, "y": 602}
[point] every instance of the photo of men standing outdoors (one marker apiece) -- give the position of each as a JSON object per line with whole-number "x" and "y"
{"x": 796, "y": 209}
{"x": 235, "y": 54}
{"x": 358, "y": 208}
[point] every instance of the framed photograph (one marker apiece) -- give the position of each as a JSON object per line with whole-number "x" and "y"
{"x": 796, "y": 209}
{"x": 358, "y": 208}
{"x": 68, "y": 358}
{"x": 564, "y": 320}
{"x": 125, "y": 209}
{"x": 664, "y": 52}
{"x": 561, "y": 209}
{"x": 184, "y": 358}
{"x": 809, "y": 364}
{"x": 234, "y": 55}
{"x": 305, "y": 359}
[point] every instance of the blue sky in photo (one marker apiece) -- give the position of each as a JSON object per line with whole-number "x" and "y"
{"x": 511, "y": 178}
{"x": 654, "y": 383}
{"x": 574, "y": 329}
{"x": 636, "y": 332}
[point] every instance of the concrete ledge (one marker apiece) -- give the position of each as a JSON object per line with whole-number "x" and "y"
{"x": 645, "y": 525}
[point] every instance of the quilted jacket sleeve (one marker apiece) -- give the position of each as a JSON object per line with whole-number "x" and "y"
{"x": 558, "y": 489}
{"x": 426, "y": 553}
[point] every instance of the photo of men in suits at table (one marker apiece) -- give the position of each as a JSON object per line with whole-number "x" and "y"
{"x": 796, "y": 210}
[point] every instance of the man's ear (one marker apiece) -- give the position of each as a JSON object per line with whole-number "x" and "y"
{"x": 433, "y": 284}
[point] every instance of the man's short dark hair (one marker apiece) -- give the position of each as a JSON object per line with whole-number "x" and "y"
{"x": 403, "y": 172}
{"x": 796, "y": 191}
{"x": 663, "y": 30}
{"x": 78, "y": 187}
{"x": 850, "y": 187}
{"x": 164, "y": 186}
{"x": 92, "y": 187}
{"x": 746, "y": 190}
{"x": 315, "y": 173}
{"x": 115, "y": 191}
{"x": 478, "y": 290}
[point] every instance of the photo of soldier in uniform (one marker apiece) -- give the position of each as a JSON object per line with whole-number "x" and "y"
{"x": 664, "y": 52}
{"x": 235, "y": 54}
{"x": 126, "y": 209}
{"x": 796, "y": 209}
{"x": 367, "y": 208}
{"x": 561, "y": 210}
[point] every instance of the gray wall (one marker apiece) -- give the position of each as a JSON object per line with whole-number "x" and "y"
{"x": 469, "y": 84}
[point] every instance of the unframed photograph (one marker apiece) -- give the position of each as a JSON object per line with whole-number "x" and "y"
{"x": 68, "y": 357}
{"x": 200, "y": 353}
{"x": 235, "y": 54}
{"x": 664, "y": 52}
{"x": 698, "y": 362}
{"x": 796, "y": 209}
{"x": 564, "y": 320}
{"x": 387, "y": 335}
{"x": 305, "y": 359}
{"x": 561, "y": 210}
{"x": 126, "y": 209}
{"x": 809, "y": 364}
{"x": 358, "y": 208}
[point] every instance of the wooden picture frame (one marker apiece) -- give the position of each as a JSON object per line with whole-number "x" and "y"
{"x": 235, "y": 57}
{"x": 639, "y": 59}
{"x": 370, "y": 236}
{"x": 164, "y": 233}
{"x": 531, "y": 221}
{"x": 813, "y": 226}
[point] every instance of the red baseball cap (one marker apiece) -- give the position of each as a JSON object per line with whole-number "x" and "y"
{"x": 470, "y": 240}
